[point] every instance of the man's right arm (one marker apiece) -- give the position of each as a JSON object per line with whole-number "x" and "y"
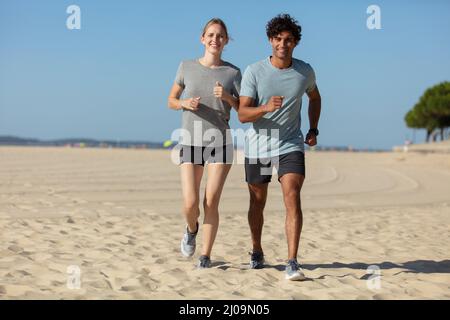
{"x": 249, "y": 113}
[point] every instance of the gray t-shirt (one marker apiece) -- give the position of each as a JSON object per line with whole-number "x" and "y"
{"x": 277, "y": 132}
{"x": 208, "y": 126}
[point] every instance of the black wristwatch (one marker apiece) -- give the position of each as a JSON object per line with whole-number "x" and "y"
{"x": 314, "y": 131}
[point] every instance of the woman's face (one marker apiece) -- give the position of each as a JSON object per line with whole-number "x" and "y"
{"x": 214, "y": 39}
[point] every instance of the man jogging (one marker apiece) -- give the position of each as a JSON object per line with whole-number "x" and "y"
{"x": 271, "y": 98}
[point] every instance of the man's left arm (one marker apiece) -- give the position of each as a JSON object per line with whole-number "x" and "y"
{"x": 315, "y": 105}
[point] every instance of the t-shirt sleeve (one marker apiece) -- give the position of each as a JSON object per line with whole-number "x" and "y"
{"x": 248, "y": 84}
{"x": 311, "y": 80}
{"x": 237, "y": 83}
{"x": 179, "y": 78}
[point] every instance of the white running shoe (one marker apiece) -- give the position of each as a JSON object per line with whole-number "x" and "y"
{"x": 293, "y": 271}
{"x": 188, "y": 243}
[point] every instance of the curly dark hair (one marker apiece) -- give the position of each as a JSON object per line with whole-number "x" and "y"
{"x": 283, "y": 22}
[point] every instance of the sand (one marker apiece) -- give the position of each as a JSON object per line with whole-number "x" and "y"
{"x": 114, "y": 216}
{"x": 430, "y": 147}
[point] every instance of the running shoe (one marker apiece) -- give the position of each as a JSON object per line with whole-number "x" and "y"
{"x": 293, "y": 271}
{"x": 204, "y": 262}
{"x": 188, "y": 242}
{"x": 256, "y": 260}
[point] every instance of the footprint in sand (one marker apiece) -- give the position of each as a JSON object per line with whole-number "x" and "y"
{"x": 131, "y": 285}
{"x": 99, "y": 284}
{"x": 15, "y": 248}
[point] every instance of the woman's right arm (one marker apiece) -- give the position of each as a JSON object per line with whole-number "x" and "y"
{"x": 175, "y": 103}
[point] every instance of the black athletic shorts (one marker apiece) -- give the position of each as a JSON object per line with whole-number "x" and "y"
{"x": 200, "y": 155}
{"x": 260, "y": 170}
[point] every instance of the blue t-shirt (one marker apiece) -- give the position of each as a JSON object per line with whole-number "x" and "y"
{"x": 277, "y": 132}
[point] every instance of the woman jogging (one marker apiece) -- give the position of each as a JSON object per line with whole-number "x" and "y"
{"x": 210, "y": 88}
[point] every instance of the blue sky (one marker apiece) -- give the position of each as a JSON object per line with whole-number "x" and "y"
{"x": 110, "y": 80}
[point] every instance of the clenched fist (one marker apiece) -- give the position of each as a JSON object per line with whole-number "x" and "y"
{"x": 190, "y": 104}
{"x": 274, "y": 103}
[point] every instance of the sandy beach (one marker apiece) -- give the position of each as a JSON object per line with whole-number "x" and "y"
{"x": 115, "y": 215}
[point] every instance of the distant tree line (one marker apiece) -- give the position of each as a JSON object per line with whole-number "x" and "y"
{"x": 432, "y": 112}
{"x": 79, "y": 142}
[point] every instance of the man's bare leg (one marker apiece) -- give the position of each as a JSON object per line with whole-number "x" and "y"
{"x": 291, "y": 184}
{"x": 258, "y": 197}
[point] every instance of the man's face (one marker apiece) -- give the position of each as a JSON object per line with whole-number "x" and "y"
{"x": 283, "y": 45}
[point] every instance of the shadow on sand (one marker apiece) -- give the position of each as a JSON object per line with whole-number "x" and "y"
{"x": 417, "y": 266}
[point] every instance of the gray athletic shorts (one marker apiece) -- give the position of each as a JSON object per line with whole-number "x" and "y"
{"x": 260, "y": 170}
